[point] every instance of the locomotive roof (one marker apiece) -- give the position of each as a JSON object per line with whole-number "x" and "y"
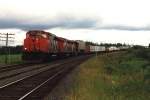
{"x": 34, "y": 32}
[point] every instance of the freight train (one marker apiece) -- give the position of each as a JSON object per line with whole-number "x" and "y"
{"x": 40, "y": 46}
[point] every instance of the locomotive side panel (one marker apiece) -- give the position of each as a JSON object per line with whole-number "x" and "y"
{"x": 60, "y": 44}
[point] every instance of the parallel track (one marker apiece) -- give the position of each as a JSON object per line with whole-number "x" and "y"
{"x": 13, "y": 67}
{"x": 19, "y": 68}
{"x": 34, "y": 87}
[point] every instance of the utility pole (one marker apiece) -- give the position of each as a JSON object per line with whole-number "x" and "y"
{"x": 5, "y": 37}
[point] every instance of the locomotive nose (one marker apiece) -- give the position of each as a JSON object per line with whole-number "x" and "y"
{"x": 35, "y": 43}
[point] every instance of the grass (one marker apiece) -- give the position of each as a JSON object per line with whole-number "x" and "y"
{"x": 13, "y": 58}
{"x": 116, "y": 76}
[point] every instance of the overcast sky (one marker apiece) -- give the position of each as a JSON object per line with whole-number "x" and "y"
{"x": 111, "y": 21}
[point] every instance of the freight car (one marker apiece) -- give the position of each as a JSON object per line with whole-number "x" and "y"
{"x": 113, "y": 48}
{"x": 40, "y": 45}
{"x": 97, "y": 49}
{"x": 83, "y": 47}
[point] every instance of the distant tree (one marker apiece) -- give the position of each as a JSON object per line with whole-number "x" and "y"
{"x": 138, "y": 47}
{"x": 118, "y": 44}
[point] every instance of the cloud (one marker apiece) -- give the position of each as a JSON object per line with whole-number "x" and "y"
{"x": 57, "y": 22}
{"x": 124, "y": 27}
{"x": 63, "y": 21}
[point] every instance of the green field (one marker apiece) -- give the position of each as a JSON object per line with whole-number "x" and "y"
{"x": 115, "y": 76}
{"x": 13, "y": 58}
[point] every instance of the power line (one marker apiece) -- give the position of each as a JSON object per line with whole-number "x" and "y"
{"x": 5, "y": 37}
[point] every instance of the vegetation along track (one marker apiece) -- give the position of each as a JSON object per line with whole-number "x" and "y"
{"x": 37, "y": 86}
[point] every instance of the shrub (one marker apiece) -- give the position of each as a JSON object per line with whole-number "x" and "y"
{"x": 140, "y": 52}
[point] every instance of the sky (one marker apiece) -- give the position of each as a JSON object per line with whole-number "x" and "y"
{"x": 100, "y": 21}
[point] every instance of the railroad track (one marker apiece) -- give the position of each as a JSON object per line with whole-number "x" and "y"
{"x": 23, "y": 65}
{"x": 18, "y": 71}
{"x": 15, "y": 70}
{"x": 34, "y": 87}
{"x": 15, "y": 66}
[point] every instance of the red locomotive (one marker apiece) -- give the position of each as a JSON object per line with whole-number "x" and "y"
{"x": 40, "y": 45}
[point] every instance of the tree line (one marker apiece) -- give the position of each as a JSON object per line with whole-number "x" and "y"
{"x": 107, "y": 44}
{"x": 11, "y": 49}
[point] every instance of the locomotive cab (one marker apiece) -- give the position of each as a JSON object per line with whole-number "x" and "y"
{"x": 36, "y": 44}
